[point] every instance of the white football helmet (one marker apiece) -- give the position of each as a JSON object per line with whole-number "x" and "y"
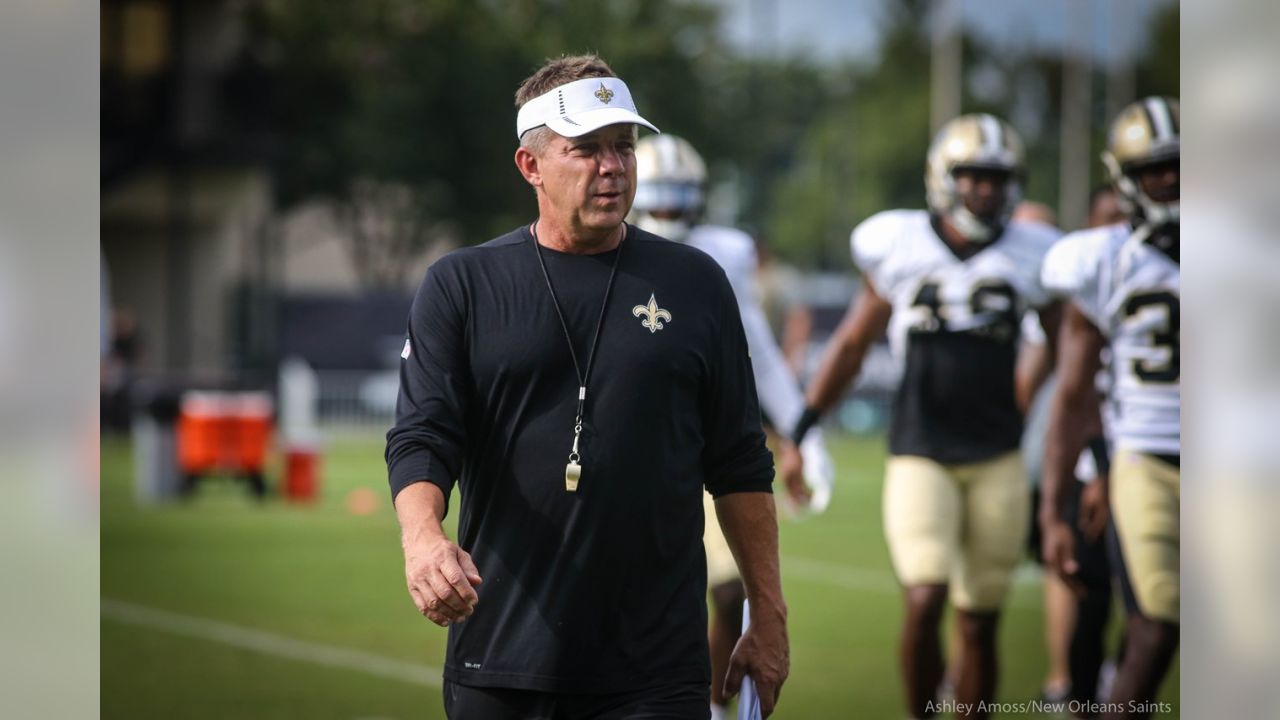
{"x": 974, "y": 141}
{"x": 671, "y": 183}
{"x": 1145, "y": 132}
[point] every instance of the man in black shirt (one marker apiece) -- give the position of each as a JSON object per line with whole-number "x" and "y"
{"x": 583, "y": 381}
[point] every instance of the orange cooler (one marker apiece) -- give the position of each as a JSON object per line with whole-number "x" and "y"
{"x": 252, "y": 422}
{"x": 228, "y": 432}
{"x": 201, "y": 429}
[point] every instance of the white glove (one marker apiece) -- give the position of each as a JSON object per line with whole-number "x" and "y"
{"x": 819, "y": 470}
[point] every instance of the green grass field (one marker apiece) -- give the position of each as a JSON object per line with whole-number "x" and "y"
{"x": 227, "y": 608}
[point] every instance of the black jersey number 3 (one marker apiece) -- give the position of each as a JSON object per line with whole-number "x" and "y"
{"x": 1165, "y": 337}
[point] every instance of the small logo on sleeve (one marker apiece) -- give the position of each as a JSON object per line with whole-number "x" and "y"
{"x": 405, "y": 352}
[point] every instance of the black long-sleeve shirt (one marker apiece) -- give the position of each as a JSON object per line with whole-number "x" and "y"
{"x": 603, "y": 589}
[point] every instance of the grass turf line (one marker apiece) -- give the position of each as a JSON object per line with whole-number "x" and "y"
{"x": 322, "y": 575}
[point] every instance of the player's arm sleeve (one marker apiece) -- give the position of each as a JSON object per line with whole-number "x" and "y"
{"x": 778, "y": 390}
{"x": 426, "y": 444}
{"x": 735, "y": 457}
{"x": 870, "y": 244}
{"x": 1070, "y": 273}
{"x": 1037, "y": 294}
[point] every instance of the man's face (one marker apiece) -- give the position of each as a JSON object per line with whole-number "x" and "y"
{"x": 1105, "y": 210}
{"x": 590, "y": 181}
{"x": 1159, "y": 180}
{"x": 984, "y": 190}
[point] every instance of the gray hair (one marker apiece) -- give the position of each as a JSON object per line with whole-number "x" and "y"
{"x": 536, "y": 139}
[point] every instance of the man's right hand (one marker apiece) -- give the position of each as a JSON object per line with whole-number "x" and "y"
{"x": 1095, "y": 510}
{"x": 1058, "y": 549}
{"x": 791, "y": 468}
{"x": 819, "y": 471}
{"x": 441, "y": 579}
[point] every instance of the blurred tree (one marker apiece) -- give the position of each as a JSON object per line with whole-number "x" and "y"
{"x": 1159, "y": 69}
{"x": 864, "y": 152}
{"x": 386, "y": 223}
{"x": 864, "y": 146}
{"x": 383, "y": 111}
{"x": 415, "y": 98}
{"x": 766, "y": 107}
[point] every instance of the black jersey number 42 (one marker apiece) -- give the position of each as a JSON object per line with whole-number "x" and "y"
{"x": 1166, "y": 337}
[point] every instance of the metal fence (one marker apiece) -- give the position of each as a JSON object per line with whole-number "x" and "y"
{"x": 355, "y": 402}
{"x": 363, "y": 403}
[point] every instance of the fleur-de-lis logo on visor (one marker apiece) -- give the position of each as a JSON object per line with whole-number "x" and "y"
{"x": 604, "y": 93}
{"x": 652, "y": 314}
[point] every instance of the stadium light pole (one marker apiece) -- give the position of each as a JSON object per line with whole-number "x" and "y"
{"x": 1121, "y": 82}
{"x": 945, "y": 64}
{"x": 1075, "y": 159}
{"x": 178, "y": 200}
{"x": 763, "y": 20}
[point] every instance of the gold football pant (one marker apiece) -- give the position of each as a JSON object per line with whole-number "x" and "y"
{"x": 962, "y": 525}
{"x": 1144, "y": 504}
{"x": 721, "y": 567}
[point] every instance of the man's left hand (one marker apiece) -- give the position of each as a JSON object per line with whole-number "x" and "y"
{"x": 763, "y": 652}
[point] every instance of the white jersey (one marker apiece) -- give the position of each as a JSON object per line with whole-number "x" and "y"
{"x": 1130, "y": 292}
{"x": 955, "y": 325}
{"x": 735, "y": 252}
{"x": 1038, "y": 414}
{"x": 927, "y": 284}
{"x": 779, "y": 391}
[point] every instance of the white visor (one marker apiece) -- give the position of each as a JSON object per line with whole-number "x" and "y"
{"x": 580, "y": 107}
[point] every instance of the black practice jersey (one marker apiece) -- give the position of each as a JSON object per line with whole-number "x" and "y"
{"x": 955, "y": 326}
{"x": 602, "y": 589}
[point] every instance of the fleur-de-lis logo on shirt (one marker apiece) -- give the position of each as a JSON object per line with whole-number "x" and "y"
{"x": 604, "y": 93}
{"x": 652, "y": 314}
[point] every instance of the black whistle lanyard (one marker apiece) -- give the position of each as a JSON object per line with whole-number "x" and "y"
{"x": 573, "y": 470}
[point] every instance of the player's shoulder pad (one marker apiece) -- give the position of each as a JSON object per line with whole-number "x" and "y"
{"x": 876, "y": 237}
{"x": 668, "y": 248}
{"x": 725, "y": 242}
{"x": 1073, "y": 263}
{"x": 685, "y": 254}
{"x": 1036, "y": 234}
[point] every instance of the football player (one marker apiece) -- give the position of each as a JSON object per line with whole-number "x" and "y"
{"x": 1123, "y": 282}
{"x": 950, "y": 286}
{"x": 670, "y": 198}
{"x": 1075, "y": 622}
